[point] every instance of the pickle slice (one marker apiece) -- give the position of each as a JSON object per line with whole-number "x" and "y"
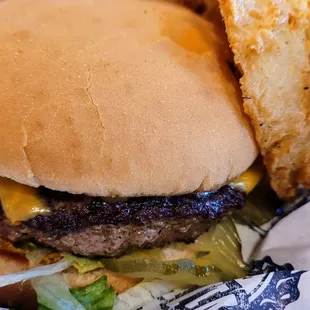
{"x": 182, "y": 271}
{"x": 215, "y": 256}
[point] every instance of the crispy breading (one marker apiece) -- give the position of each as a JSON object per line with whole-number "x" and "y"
{"x": 8, "y": 248}
{"x": 119, "y": 282}
{"x": 269, "y": 42}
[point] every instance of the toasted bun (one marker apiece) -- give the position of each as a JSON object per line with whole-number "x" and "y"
{"x": 117, "y": 98}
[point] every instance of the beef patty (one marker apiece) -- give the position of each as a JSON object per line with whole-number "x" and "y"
{"x": 93, "y": 226}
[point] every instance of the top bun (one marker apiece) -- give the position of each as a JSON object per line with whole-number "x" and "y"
{"x": 118, "y": 98}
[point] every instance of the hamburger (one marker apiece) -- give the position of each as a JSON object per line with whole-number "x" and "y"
{"x": 122, "y": 128}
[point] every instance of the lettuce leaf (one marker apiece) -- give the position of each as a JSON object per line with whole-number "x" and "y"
{"x": 21, "y": 276}
{"x": 43, "y": 308}
{"x": 96, "y": 296}
{"x": 54, "y": 294}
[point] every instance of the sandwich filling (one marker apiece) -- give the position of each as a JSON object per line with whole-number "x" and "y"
{"x": 98, "y": 226}
{"x": 93, "y": 226}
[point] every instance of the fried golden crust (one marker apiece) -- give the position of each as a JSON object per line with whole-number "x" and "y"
{"x": 270, "y": 45}
{"x": 119, "y": 282}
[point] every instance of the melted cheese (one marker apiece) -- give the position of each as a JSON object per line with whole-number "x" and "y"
{"x": 249, "y": 179}
{"x": 20, "y": 202}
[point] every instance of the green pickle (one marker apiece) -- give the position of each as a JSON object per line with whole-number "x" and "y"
{"x": 215, "y": 256}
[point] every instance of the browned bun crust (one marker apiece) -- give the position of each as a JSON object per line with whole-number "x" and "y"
{"x": 120, "y": 98}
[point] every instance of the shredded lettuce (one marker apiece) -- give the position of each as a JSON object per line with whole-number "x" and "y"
{"x": 83, "y": 264}
{"x": 54, "y": 294}
{"x": 96, "y": 296}
{"x": 32, "y": 273}
{"x": 43, "y": 308}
